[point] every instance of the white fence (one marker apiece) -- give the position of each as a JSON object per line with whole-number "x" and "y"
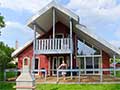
{"x": 67, "y": 70}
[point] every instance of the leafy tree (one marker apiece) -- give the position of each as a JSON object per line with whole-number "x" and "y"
{"x": 5, "y": 55}
{"x": 2, "y": 23}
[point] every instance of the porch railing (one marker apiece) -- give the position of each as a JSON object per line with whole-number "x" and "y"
{"x": 57, "y": 45}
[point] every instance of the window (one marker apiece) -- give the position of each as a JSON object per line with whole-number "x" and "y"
{"x": 84, "y": 48}
{"x": 59, "y": 35}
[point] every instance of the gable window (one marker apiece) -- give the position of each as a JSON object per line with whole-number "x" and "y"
{"x": 84, "y": 48}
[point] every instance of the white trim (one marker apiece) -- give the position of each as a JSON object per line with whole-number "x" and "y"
{"x": 24, "y": 60}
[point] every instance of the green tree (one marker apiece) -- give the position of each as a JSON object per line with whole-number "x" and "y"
{"x": 5, "y": 55}
{"x": 2, "y": 23}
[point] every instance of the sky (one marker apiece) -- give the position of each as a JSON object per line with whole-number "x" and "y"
{"x": 100, "y": 16}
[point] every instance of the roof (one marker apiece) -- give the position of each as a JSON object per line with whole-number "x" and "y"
{"x": 88, "y": 35}
{"x": 45, "y": 15}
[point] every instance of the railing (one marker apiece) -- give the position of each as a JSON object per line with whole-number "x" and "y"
{"x": 57, "y": 45}
{"x": 101, "y": 70}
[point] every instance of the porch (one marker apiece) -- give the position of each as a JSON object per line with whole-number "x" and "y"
{"x": 53, "y": 46}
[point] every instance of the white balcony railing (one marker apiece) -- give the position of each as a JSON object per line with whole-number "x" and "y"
{"x": 53, "y": 46}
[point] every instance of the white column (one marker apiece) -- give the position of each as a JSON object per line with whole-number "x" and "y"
{"x": 71, "y": 45}
{"x": 101, "y": 68}
{"x": 53, "y": 27}
{"x": 114, "y": 61}
{"x": 85, "y": 65}
{"x": 34, "y": 47}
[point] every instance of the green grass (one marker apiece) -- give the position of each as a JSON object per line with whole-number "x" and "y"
{"x": 9, "y": 86}
{"x": 78, "y": 87}
{"x": 118, "y": 73}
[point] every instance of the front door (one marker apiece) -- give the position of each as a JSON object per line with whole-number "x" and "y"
{"x": 56, "y": 61}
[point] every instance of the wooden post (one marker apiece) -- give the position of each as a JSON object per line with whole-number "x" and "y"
{"x": 114, "y": 61}
{"x": 71, "y": 45}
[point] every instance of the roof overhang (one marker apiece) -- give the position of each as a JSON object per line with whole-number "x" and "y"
{"x": 88, "y": 35}
{"x": 44, "y": 18}
{"x": 20, "y": 49}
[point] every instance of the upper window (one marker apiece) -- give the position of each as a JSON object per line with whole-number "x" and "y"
{"x": 59, "y": 35}
{"x": 84, "y": 48}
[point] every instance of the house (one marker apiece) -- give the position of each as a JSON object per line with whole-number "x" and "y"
{"x": 58, "y": 36}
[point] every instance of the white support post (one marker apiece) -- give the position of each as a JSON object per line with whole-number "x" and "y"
{"x": 71, "y": 44}
{"x": 34, "y": 48}
{"x": 114, "y": 61}
{"x": 93, "y": 61}
{"x": 53, "y": 28}
{"x": 101, "y": 71}
{"x": 85, "y": 65}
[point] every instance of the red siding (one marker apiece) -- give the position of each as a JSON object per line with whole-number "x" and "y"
{"x": 105, "y": 62}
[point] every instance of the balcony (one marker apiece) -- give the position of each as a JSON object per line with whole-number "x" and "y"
{"x": 53, "y": 46}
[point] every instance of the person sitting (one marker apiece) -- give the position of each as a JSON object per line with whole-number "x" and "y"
{"x": 63, "y": 66}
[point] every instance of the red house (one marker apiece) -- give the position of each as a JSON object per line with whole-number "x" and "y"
{"x": 58, "y": 35}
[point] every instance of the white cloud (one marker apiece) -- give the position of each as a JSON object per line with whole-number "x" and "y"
{"x": 30, "y": 5}
{"x": 98, "y": 9}
{"x": 16, "y": 26}
{"x": 13, "y": 24}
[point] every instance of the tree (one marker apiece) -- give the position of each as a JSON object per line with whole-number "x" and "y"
{"x": 2, "y": 23}
{"x": 5, "y": 55}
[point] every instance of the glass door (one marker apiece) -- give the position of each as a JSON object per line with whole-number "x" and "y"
{"x": 36, "y": 65}
{"x": 89, "y": 65}
{"x": 54, "y": 65}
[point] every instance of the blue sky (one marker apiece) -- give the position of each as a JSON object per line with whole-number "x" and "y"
{"x": 100, "y": 16}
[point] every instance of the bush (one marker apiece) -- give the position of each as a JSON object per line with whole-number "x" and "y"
{"x": 11, "y": 65}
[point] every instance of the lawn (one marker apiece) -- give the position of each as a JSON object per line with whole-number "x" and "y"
{"x": 9, "y": 86}
{"x": 78, "y": 87}
{"x": 117, "y": 73}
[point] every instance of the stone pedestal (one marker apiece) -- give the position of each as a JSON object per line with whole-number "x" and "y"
{"x": 25, "y": 81}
